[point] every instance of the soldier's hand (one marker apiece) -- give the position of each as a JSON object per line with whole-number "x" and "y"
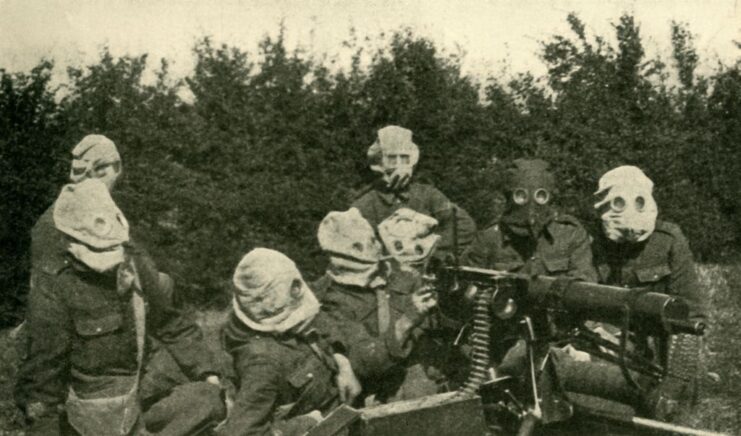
{"x": 423, "y": 300}
{"x": 347, "y": 383}
{"x": 399, "y": 179}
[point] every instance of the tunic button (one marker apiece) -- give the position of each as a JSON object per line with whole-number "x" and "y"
{"x": 310, "y": 375}
{"x": 98, "y": 329}
{"x": 534, "y": 258}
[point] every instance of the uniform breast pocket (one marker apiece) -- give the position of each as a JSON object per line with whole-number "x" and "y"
{"x": 101, "y": 342}
{"x": 313, "y": 381}
{"x": 89, "y": 326}
{"x": 653, "y": 274}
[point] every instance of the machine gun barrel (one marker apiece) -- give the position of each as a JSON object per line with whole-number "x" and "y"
{"x": 600, "y": 302}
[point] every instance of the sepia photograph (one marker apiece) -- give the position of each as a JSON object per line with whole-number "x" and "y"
{"x": 370, "y": 218}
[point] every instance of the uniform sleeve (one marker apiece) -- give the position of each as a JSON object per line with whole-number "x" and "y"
{"x": 684, "y": 280}
{"x": 451, "y": 218}
{"x": 369, "y": 356}
{"x": 256, "y": 400}
{"x": 478, "y": 253}
{"x": 41, "y": 383}
{"x": 581, "y": 264}
{"x": 174, "y": 326}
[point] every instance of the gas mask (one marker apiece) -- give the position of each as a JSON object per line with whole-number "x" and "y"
{"x": 96, "y": 157}
{"x": 355, "y": 253}
{"x": 626, "y": 205}
{"x": 394, "y": 156}
{"x": 408, "y": 237}
{"x": 530, "y": 188}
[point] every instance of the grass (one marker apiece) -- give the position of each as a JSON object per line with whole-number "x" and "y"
{"x": 719, "y": 407}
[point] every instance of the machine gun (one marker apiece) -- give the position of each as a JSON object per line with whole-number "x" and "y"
{"x": 550, "y": 313}
{"x": 540, "y": 316}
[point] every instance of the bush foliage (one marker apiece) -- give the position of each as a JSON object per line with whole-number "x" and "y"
{"x": 272, "y": 141}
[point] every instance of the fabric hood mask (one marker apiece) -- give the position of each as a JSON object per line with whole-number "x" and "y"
{"x": 626, "y": 205}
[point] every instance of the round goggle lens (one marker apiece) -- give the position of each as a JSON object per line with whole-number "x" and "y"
{"x": 519, "y": 196}
{"x": 618, "y": 204}
{"x": 542, "y": 196}
{"x": 640, "y": 203}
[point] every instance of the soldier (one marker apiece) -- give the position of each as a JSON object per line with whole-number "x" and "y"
{"x": 289, "y": 371}
{"x": 532, "y": 236}
{"x": 637, "y": 250}
{"x": 393, "y": 155}
{"x": 359, "y": 288}
{"x": 91, "y": 307}
{"x": 95, "y": 157}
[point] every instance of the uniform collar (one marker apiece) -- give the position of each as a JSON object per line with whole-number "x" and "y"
{"x": 507, "y": 235}
{"x": 390, "y": 197}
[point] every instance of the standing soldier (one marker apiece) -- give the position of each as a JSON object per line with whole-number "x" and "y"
{"x": 532, "y": 236}
{"x": 637, "y": 250}
{"x": 393, "y": 156}
{"x": 91, "y": 307}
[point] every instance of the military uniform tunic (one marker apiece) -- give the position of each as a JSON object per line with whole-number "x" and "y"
{"x": 379, "y": 203}
{"x": 81, "y": 333}
{"x": 390, "y": 370}
{"x": 662, "y": 263}
{"x": 280, "y": 377}
{"x": 562, "y": 249}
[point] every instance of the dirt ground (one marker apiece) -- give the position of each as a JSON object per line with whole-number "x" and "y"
{"x": 719, "y": 407}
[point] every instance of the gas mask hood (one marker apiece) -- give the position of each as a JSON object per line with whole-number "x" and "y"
{"x": 530, "y": 188}
{"x": 393, "y": 155}
{"x": 626, "y": 205}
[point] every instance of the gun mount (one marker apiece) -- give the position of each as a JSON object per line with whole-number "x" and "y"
{"x": 546, "y": 395}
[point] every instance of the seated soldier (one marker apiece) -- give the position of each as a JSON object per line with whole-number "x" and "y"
{"x": 90, "y": 310}
{"x": 357, "y": 286}
{"x": 393, "y": 155}
{"x": 533, "y": 236}
{"x": 288, "y": 371}
{"x": 637, "y": 250}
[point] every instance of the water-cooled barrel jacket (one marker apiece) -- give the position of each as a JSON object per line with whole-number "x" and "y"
{"x": 561, "y": 249}
{"x": 378, "y": 203}
{"x": 663, "y": 263}
{"x": 275, "y": 370}
{"x": 77, "y": 323}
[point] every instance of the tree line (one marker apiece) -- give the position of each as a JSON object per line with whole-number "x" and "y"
{"x": 272, "y": 141}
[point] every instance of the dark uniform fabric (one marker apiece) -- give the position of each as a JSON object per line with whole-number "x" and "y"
{"x": 561, "y": 249}
{"x": 663, "y": 263}
{"x": 279, "y": 378}
{"x": 379, "y": 203}
{"x": 80, "y": 330}
{"x": 413, "y": 369}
